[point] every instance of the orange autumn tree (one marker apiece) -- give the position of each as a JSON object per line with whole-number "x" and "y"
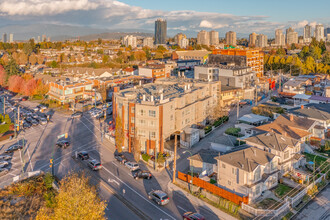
{"x": 3, "y": 76}
{"x": 15, "y": 83}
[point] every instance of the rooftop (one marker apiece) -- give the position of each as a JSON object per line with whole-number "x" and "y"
{"x": 252, "y": 118}
{"x": 315, "y": 111}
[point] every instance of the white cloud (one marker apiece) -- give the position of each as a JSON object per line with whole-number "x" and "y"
{"x": 205, "y": 24}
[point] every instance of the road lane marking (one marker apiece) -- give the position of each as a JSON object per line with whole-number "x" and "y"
{"x": 139, "y": 194}
{"x": 182, "y": 208}
{"x": 113, "y": 181}
{"x": 114, "y": 164}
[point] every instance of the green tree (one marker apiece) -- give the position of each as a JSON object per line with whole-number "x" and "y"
{"x": 12, "y": 68}
{"x": 53, "y": 64}
{"x": 293, "y": 46}
{"x": 99, "y": 41}
{"x": 119, "y": 134}
{"x": 326, "y": 58}
{"x": 315, "y": 52}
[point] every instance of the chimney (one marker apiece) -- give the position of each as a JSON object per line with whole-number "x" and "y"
{"x": 144, "y": 97}
{"x": 188, "y": 86}
{"x": 152, "y": 98}
{"x": 185, "y": 87}
{"x": 291, "y": 117}
{"x": 302, "y": 106}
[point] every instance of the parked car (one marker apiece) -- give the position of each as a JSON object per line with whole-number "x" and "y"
{"x": 5, "y": 157}
{"x": 77, "y": 114}
{"x": 34, "y": 122}
{"x": 83, "y": 155}
{"x": 3, "y": 164}
{"x": 3, "y": 171}
{"x": 13, "y": 148}
{"x": 36, "y": 109}
{"x": 144, "y": 174}
{"x": 95, "y": 165}
{"x": 159, "y": 197}
{"x": 132, "y": 165}
{"x": 43, "y": 121}
{"x": 192, "y": 216}
{"x": 63, "y": 143}
{"x": 120, "y": 158}
{"x": 26, "y": 124}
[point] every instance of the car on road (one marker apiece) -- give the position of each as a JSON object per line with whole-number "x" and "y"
{"x": 144, "y": 174}
{"x": 13, "y": 148}
{"x": 3, "y": 164}
{"x": 3, "y": 171}
{"x": 95, "y": 165}
{"x": 27, "y": 124}
{"x": 63, "y": 143}
{"x": 43, "y": 121}
{"x": 159, "y": 197}
{"x": 192, "y": 216}
{"x": 5, "y": 157}
{"x": 132, "y": 165}
{"x": 36, "y": 109}
{"x": 83, "y": 155}
{"x": 77, "y": 115}
{"x": 120, "y": 158}
{"x": 34, "y": 122}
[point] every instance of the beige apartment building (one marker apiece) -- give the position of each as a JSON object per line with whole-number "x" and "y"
{"x": 231, "y": 38}
{"x": 248, "y": 171}
{"x": 154, "y": 112}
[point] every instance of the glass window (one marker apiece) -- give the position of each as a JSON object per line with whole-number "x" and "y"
{"x": 152, "y": 113}
{"x": 233, "y": 170}
{"x": 132, "y": 109}
{"x": 152, "y": 123}
{"x": 142, "y": 112}
{"x": 229, "y": 182}
{"x": 152, "y": 134}
{"x": 132, "y": 120}
{"x": 286, "y": 155}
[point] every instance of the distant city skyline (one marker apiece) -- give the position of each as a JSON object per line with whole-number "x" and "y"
{"x": 188, "y": 17}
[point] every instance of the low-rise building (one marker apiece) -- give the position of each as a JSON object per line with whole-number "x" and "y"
{"x": 249, "y": 171}
{"x": 204, "y": 162}
{"x": 201, "y": 55}
{"x": 296, "y": 85}
{"x": 153, "y": 71}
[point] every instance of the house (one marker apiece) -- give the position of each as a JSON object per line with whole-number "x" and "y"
{"x": 287, "y": 149}
{"x": 253, "y": 119}
{"x": 189, "y": 136}
{"x": 296, "y": 85}
{"x": 249, "y": 171}
{"x": 290, "y": 126}
{"x": 204, "y": 162}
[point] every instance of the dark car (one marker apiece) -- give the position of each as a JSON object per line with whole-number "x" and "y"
{"x": 14, "y": 148}
{"x": 120, "y": 158}
{"x": 77, "y": 115}
{"x": 192, "y": 216}
{"x": 26, "y": 124}
{"x": 159, "y": 197}
{"x": 83, "y": 155}
{"x": 95, "y": 165}
{"x": 34, "y": 122}
{"x": 145, "y": 174}
{"x": 63, "y": 143}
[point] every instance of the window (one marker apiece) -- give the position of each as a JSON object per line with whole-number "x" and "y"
{"x": 132, "y": 109}
{"x": 223, "y": 165}
{"x": 229, "y": 182}
{"x": 286, "y": 155}
{"x": 141, "y": 133}
{"x": 152, "y": 134}
{"x": 132, "y": 120}
{"x": 257, "y": 192}
{"x": 187, "y": 111}
{"x": 272, "y": 165}
{"x": 152, "y": 123}
{"x": 152, "y": 113}
{"x": 172, "y": 117}
{"x": 142, "y": 122}
{"x": 233, "y": 171}
{"x": 257, "y": 174}
{"x": 142, "y": 112}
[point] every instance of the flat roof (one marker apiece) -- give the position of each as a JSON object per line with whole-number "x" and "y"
{"x": 252, "y": 118}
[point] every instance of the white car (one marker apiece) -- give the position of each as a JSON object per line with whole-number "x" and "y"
{"x": 5, "y": 157}
{"x": 43, "y": 121}
{"x": 132, "y": 166}
{"x": 3, "y": 164}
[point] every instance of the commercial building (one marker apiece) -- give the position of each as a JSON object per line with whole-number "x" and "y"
{"x": 203, "y": 38}
{"x": 148, "y": 42}
{"x": 326, "y": 32}
{"x": 129, "y": 40}
{"x": 214, "y": 37}
{"x": 279, "y": 37}
{"x": 160, "y": 31}
{"x": 154, "y": 112}
{"x": 153, "y": 71}
{"x": 181, "y": 40}
{"x": 252, "y": 39}
{"x": 291, "y": 36}
{"x": 11, "y": 38}
{"x": 253, "y": 58}
{"x": 231, "y": 38}
{"x": 319, "y": 32}
{"x": 261, "y": 41}
{"x": 201, "y": 55}
{"x": 308, "y": 34}
{"x": 4, "y": 38}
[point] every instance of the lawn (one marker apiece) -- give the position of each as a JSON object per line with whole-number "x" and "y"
{"x": 319, "y": 160}
{"x": 281, "y": 190}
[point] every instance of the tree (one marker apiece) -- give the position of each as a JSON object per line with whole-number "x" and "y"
{"x": 29, "y": 87}
{"x": 310, "y": 64}
{"x": 3, "y": 76}
{"x": 76, "y": 199}
{"x": 41, "y": 89}
{"x": 104, "y": 92}
{"x": 293, "y": 46}
{"x": 99, "y": 41}
{"x": 119, "y": 133}
{"x": 15, "y": 83}
{"x": 12, "y": 68}
{"x": 136, "y": 148}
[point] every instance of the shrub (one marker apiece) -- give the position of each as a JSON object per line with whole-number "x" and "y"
{"x": 145, "y": 157}
{"x": 7, "y": 119}
{"x": 4, "y": 128}
{"x": 48, "y": 179}
{"x": 233, "y": 131}
{"x": 207, "y": 129}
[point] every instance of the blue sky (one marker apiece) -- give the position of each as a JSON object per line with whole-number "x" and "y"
{"x": 189, "y": 17}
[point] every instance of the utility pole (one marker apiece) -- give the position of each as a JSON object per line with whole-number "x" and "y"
{"x": 237, "y": 107}
{"x": 156, "y": 156}
{"x": 95, "y": 96}
{"x": 4, "y": 105}
{"x": 280, "y": 82}
{"x": 256, "y": 95}
{"x": 174, "y": 162}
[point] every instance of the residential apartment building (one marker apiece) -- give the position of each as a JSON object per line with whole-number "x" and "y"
{"x": 287, "y": 149}
{"x": 4, "y": 38}
{"x": 253, "y": 58}
{"x": 181, "y": 40}
{"x": 291, "y": 36}
{"x": 11, "y": 38}
{"x": 148, "y": 42}
{"x": 160, "y": 31}
{"x": 279, "y": 38}
{"x": 307, "y": 34}
{"x": 319, "y": 32}
{"x": 201, "y": 55}
{"x": 154, "y": 112}
{"x": 248, "y": 171}
{"x": 129, "y": 40}
{"x": 230, "y": 95}
{"x": 261, "y": 41}
{"x": 184, "y": 43}
{"x": 203, "y": 38}
{"x": 153, "y": 71}
{"x": 231, "y": 38}
{"x": 214, "y": 37}
{"x": 178, "y": 37}
{"x": 252, "y": 39}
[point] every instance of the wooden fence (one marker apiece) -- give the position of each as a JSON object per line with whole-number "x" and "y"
{"x": 214, "y": 189}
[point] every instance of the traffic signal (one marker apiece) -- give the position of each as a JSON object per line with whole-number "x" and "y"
{"x": 51, "y": 162}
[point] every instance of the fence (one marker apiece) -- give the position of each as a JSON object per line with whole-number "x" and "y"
{"x": 266, "y": 212}
{"x": 214, "y": 189}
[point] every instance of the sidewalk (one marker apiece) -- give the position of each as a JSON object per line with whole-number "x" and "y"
{"x": 199, "y": 203}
